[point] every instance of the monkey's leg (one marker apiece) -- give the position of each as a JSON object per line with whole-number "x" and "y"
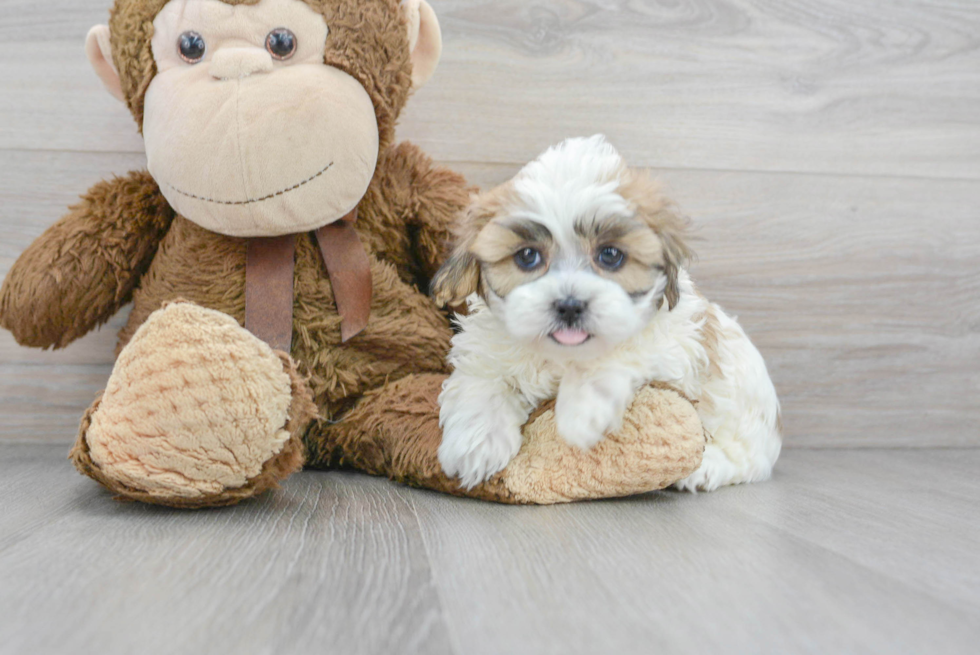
{"x": 394, "y": 431}
{"x": 198, "y": 412}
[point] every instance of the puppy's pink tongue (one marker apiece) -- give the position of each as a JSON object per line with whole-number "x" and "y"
{"x": 570, "y": 337}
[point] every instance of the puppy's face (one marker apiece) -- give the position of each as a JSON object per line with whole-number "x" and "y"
{"x": 576, "y": 254}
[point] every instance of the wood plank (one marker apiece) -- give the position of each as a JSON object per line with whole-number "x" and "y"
{"x": 875, "y": 87}
{"x": 38, "y": 488}
{"x": 43, "y": 393}
{"x": 46, "y": 402}
{"x": 863, "y": 294}
{"x": 37, "y": 188}
{"x": 905, "y": 502}
{"x": 61, "y": 19}
{"x": 844, "y": 551}
{"x": 735, "y": 571}
{"x": 332, "y": 563}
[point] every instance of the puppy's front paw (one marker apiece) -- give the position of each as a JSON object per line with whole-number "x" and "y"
{"x": 586, "y": 426}
{"x": 478, "y": 449}
{"x": 585, "y": 413}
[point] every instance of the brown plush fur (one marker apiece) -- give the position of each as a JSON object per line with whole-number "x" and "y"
{"x": 404, "y": 223}
{"x": 125, "y": 237}
{"x": 375, "y": 396}
{"x": 404, "y": 231}
{"x": 374, "y": 437}
{"x": 77, "y": 274}
{"x": 661, "y": 442}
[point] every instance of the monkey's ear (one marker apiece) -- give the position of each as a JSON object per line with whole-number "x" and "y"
{"x": 457, "y": 279}
{"x": 99, "y": 53}
{"x": 424, "y": 40}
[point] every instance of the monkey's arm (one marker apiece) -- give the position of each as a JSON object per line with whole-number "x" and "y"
{"x": 435, "y": 195}
{"x": 83, "y": 268}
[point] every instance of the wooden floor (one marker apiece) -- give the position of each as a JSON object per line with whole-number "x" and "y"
{"x": 846, "y": 551}
{"x": 828, "y": 152}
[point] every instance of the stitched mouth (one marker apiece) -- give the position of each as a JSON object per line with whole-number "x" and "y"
{"x": 253, "y": 200}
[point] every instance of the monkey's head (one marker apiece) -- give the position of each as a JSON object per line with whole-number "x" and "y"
{"x": 265, "y": 117}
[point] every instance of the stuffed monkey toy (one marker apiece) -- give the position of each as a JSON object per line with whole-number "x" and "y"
{"x": 277, "y": 252}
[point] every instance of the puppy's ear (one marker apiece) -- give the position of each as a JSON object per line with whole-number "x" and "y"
{"x": 457, "y": 279}
{"x": 662, "y": 216}
{"x": 460, "y": 276}
{"x": 676, "y": 255}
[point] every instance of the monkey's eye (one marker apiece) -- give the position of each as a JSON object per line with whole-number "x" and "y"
{"x": 611, "y": 258}
{"x": 528, "y": 259}
{"x": 281, "y": 43}
{"x": 191, "y": 47}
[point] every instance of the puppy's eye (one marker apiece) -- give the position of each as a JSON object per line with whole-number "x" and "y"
{"x": 191, "y": 47}
{"x": 611, "y": 258}
{"x": 528, "y": 259}
{"x": 281, "y": 43}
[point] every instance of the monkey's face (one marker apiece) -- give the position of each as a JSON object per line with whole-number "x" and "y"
{"x": 249, "y": 129}
{"x": 247, "y": 132}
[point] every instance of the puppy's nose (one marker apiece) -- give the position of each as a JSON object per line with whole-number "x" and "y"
{"x": 570, "y": 310}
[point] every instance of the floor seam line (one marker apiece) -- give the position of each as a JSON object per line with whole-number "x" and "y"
{"x": 454, "y": 642}
{"x": 694, "y": 169}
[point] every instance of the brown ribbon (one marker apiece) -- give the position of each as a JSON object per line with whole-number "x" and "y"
{"x": 269, "y": 266}
{"x": 350, "y": 273}
{"x": 269, "y": 289}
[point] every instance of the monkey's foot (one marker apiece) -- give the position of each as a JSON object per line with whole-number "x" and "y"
{"x": 394, "y": 431}
{"x": 198, "y": 412}
{"x": 661, "y": 441}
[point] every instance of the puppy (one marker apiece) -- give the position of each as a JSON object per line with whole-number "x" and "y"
{"x": 574, "y": 277}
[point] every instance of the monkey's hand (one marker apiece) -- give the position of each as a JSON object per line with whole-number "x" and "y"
{"x": 82, "y": 269}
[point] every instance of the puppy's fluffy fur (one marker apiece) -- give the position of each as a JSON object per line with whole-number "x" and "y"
{"x": 573, "y": 274}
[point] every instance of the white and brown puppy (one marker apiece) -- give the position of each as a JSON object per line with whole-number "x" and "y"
{"x": 573, "y": 273}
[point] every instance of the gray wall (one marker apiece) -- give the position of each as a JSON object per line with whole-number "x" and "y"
{"x": 828, "y": 152}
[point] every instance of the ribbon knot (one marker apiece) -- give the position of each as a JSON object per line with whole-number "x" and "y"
{"x": 269, "y": 268}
